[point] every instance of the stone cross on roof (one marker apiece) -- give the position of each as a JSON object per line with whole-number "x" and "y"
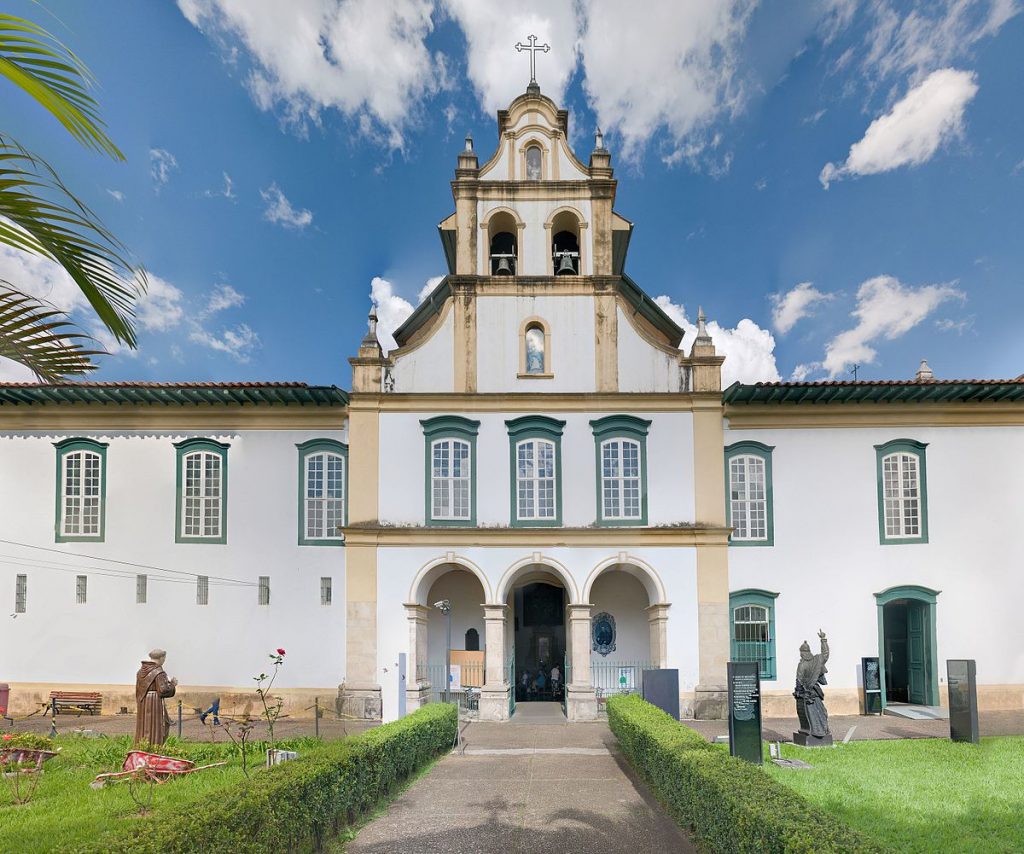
{"x": 533, "y": 48}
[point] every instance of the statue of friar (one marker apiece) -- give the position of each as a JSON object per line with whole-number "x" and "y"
{"x": 151, "y": 688}
{"x": 810, "y": 699}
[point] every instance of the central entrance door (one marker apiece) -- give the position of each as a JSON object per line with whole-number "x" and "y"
{"x": 539, "y": 613}
{"x": 907, "y": 664}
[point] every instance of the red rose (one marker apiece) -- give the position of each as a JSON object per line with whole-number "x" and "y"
{"x": 8, "y": 736}
{"x": 280, "y": 651}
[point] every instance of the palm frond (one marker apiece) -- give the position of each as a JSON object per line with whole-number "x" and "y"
{"x": 37, "y": 335}
{"x": 39, "y": 214}
{"x": 37, "y": 62}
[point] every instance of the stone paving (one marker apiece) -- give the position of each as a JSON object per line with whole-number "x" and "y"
{"x": 526, "y": 788}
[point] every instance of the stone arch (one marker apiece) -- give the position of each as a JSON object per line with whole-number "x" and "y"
{"x": 523, "y": 567}
{"x": 561, "y": 219}
{"x": 434, "y": 569}
{"x": 639, "y": 569}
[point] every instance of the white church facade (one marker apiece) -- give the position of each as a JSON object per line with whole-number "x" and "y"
{"x": 543, "y": 453}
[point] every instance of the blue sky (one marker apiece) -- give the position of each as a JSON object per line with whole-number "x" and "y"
{"x": 283, "y": 159}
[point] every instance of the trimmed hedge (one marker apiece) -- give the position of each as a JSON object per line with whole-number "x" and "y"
{"x": 299, "y": 804}
{"x": 731, "y": 805}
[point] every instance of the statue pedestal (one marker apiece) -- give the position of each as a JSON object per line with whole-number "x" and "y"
{"x": 805, "y": 739}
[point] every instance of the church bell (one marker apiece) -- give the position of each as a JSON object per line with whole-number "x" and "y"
{"x": 504, "y": 267}
{"x": 565, "y": 265}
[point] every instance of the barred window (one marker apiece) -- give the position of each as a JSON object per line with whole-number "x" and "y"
{"x": 81, "y": 589}
{"x": 535, "y": 479}
{"x": 20, "y": 594}
{"x": 451, "y": 479}
{"x": 620, "y": 479}
{"x": 202, "y": 590}
{"x": 325, "y": 590}
{"x": 753, "y": 629}
{"x": 748, "y": 497}
{"x": 141, "y": 589}
{"x": 264, "y": 590}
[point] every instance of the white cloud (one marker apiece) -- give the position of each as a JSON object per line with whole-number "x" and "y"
{"x": 497, "y": 73}
{"x": 160, "y": 308}
{"x": 749, "y": 350}
{"x": 885, "y": 310}
{"x": 911, "y": 132}
{"x": 15, "y": 372}
{"x": 392, "y": 310}
{"x": 681, "y": 73}
{"x": 222, "y": 297}
{"x": 161, "y": 164}
{"x": 238, "y": 342}
{"x": 801, "y": 372}
{"x": 227, "y": 192}
{"x": 364, "y": 58}
{"x": 116, "y": 195}
{"x": 428, "y": 288}
{"x": 932, "y": 34}
{"x": 790, "y": 308}
{"x": 279, "y": 210}
{"x": 41, "y": 278}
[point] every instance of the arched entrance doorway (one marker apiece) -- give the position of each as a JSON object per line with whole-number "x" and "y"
{"x": 907, "y": 650}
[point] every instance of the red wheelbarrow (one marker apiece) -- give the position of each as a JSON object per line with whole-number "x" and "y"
{"x": 151, "y": 766}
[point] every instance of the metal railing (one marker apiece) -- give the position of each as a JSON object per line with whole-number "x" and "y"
{"x": 467, "y": 680}
{"x": 618, "y": 677}
{"x": 759, "y": 651}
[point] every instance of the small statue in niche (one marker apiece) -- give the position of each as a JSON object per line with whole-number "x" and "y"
{"x": 810, "y": 699}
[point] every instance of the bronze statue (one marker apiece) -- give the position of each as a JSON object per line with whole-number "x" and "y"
{"x": 151, "y": 688}
{"x": 810, "y": 699}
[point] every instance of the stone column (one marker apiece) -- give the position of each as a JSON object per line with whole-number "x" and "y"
{"x": 417, "y": 681}
{"x": 494, "y": 695}
{"x": 657, "y": 621}
{"x": 581, "y": 701}
{"x": 711, "y": 695}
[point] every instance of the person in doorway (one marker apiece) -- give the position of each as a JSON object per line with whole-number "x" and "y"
{"x": 152, "y": 687}
{"x": 556, "y": 679}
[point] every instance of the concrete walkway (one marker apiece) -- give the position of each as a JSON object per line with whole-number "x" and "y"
{"x": 526, "y": 788}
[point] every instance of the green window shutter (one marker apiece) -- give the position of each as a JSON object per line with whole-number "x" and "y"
{"x": 535, "y": 449}
{"x": 620, "y": 446}
{"x": 749, "y": 500}
{"x": 902, "y": 483}
{"x": 322, "y": 492}
{"x": 201, "y": 494}
{"x": 81, "y": 500}
{"x": 449, "y": 471}
{"x": 752, "y": 628}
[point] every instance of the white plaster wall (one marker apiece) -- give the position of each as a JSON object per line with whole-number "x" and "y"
{"x": 572, "y": 358}
{"x": 403, "y": 473}
{"x": 397, "y": 568}
{"x": 827, "y": 562}
{"x": 223, "y": 643}
{"x": 625, "y": 598}
{"x": 430, "y": 367}
{"x": 642, "y": 367}
{"x": 535, "y": 248}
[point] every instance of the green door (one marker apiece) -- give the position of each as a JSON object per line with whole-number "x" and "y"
{"x": 917, "y": 652}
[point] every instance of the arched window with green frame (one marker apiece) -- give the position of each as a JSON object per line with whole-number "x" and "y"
{"x": 752, "y": 628}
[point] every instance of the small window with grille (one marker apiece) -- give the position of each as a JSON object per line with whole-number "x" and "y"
{"x": 202, "y": 590}
{"x": 81, "y": 589}
{"x": 325, "y": 590}
{"x": 752, "y": 618}
{"x": 141, "y": 589}
{"x": 264, "y": 592}
{"x": 20, "y": 594}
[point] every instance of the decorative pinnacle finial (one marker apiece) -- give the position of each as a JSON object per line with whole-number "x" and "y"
{"x": 533, "y": 48}
{"x": 702, "y": 331}
{"x": 599, "y": 140}
{"x": 372, "y": 322}
{"x": 469, "y": 143}
{"x": 924, "y": 373}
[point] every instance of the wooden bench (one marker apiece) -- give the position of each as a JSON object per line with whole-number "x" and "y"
{"x": 76, "y": 702}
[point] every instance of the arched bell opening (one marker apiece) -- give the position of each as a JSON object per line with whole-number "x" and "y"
{"x": 503, "y": 245}
{"x": 565, "y": 244}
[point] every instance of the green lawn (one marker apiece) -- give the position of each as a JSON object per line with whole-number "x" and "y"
{"x": 65, "y": 812}
{"x": 920, "y": 795}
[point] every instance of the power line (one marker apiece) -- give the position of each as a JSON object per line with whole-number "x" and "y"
{"x": 14, "y": 560}
{"x": 64, "y": 553}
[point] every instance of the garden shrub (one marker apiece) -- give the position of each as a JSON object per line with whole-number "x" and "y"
{"x": 729, "y": 804}
{"x": 298, "y": 804}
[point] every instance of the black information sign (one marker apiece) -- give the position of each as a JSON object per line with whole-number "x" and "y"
{"x": 872, "y": 686}
{"x": 961, "y": 680}
{"x": 745, "y": 711}
{"x": 661, "y": 689}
